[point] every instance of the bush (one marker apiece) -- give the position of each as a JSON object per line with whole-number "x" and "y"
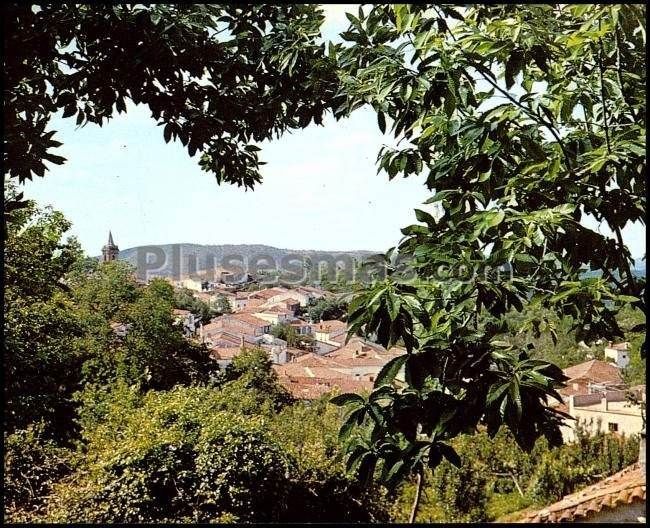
{"x": 175, "y": 457}
{"x": 200, "y": 454}
{"x": 563, "y": 470}
{"x": 32, "y": 465}
{"x": 462, "y": 492}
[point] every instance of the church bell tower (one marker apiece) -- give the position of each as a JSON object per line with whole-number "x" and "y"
{"x": 110, "y": 250}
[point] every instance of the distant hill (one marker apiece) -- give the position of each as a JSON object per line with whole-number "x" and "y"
{"x": 207, "y": 256}
{"x": 188, "y": 254}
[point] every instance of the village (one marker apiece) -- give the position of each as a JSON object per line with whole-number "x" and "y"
{"x": 596, "y": 395}
{"x": 319, "y": 357}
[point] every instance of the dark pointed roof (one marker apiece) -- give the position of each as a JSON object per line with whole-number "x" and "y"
{"x": 110, "y": 244}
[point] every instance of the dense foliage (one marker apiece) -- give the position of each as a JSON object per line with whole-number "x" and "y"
{"x": 497, "y": 478}
{"x": 326, "y": 308}
{"x": 32, "y": 464}
{"x": 60, "y": 313}
{"x": 40, "y": 369}
{"x": 203, "y": 454}
{"x": 526, "y": 120}
{"x": 217, "y": 77}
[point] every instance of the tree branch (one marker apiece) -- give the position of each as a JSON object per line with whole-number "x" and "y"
{"x": 418, "y": 494}
{"x": 536, "y": 117}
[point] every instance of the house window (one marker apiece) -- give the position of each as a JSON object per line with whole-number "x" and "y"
{"x": 613, "y": 427}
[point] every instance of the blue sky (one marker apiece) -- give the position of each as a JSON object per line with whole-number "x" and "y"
{"x": 320, "y": 190}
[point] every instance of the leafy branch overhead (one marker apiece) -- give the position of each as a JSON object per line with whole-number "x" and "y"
{"x": 219, "y": 78}
{"x": 528, "y": 123}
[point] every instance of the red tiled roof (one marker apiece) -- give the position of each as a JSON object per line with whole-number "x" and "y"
{"x": 312, "y": 290}
{"x": 625, "y": 487}
{"x": 204, "y": 296}
{"x": 274, "y": 309}
{"x": 315, "y": 388}
{"x": 333, "y": 326}
{"x": 619, "y": 346}
{"x": 225, "y": 352}
{"x": 314, "y": 360}
{"x": 359, "y": 352}
{"x": 268, "y": 293}
{"x": 252, "y": 304}
{"x": 307, "y": 369}
{"x": 244, "y": 317}
{"x": 594, "y": 370}
{"x": 290, "y": 300}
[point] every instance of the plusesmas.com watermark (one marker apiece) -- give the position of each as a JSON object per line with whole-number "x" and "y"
{"x": 295, "y": 269}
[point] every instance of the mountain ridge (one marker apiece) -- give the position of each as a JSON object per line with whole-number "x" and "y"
{"x": 203, "y": 253}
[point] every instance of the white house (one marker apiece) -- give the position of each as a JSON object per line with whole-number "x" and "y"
{"x": 609, "y": 411}
{"x": 619, "y": 353}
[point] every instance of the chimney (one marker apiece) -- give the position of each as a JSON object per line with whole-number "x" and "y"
{"x": 241, "y": 341}
{"x": 642, "y": 450}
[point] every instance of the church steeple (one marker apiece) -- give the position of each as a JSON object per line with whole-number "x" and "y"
{"x": 110, "y": 250}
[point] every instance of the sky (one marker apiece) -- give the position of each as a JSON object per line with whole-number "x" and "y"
{"x": 320, "y": 187}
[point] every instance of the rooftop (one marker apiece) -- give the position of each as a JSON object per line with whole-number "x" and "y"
{"x": 619, "y": 346}
{"x": 331, "y": 326}
{"x": 243, "y": 317}
{"x": 594, "y": 371}
{"x": 625, "y": 487}
{"x": 315, "y": 388}
{"x": 360, "y": 352}
{"x": 225, "y": 352}
{"x": 268, "y": 293}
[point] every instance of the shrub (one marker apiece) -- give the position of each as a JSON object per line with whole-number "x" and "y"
{"x": 563, "y": 470}
{"x": 32, "y": 465}
{"x": 175, "y": 457}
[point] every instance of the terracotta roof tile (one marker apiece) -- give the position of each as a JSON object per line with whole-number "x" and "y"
{"x": 225, "y": 352}
{"x": 245, "y": 318}
{"x": 625, "y": 487}
{"x": 359, "y": 352}
{"x": 594, "y": 370}
{"x": 315, "y": 388}
{"x": 268, "y": 293}
{"x": 252, "y": 305}
{"x": 619, "y": 346}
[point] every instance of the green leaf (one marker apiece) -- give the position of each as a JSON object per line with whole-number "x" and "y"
{"x": 348, "y": 426}
{"x": 381, "y": 121}
{"x": 390, "y": 370}
{"x": 449, "y": 453}
{"x": 344, "y": 399}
